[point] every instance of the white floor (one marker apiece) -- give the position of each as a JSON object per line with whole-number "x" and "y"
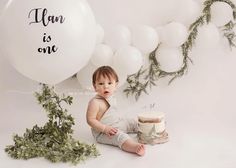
{"x": 197, "y": 140}
{"x": 200, "y": 113}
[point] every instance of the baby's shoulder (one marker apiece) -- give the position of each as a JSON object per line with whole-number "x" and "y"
{"x": 93, "y": 105}
{"x": 97, "y": 102}
{"x": 94, "y": 102}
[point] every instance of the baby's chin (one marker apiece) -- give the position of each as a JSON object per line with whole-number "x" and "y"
{"x": 106, "y": 94}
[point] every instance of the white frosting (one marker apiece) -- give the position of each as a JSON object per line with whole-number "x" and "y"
{"x": 146, "y": 127}
{"x": 151, "y": 115}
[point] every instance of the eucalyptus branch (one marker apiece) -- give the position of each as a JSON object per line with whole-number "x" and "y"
{"x": 53, "y": 141}
{"x": 229, "y": 34}
{"x": 138, "y": 82}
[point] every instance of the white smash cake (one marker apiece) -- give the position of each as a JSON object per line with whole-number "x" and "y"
{"x": 152, "y": 128}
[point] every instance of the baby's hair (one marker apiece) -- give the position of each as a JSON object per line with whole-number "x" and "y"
{"x": 105, "y": 71}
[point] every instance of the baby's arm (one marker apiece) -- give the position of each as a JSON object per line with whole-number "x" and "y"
{"x": 92, "y": 111}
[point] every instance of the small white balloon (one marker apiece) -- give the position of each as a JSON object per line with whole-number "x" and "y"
{"x": 234, "y": 1}
{"x": 187, "y": 11}
{"x": 174, "y": 34}
{"x": 102, "y": 55}
{"x": 208, "y": 36}
{"x": 200, "y": 1}
{"x": 170, "y": 59}
{"x": 84, "y": 76}
{"x": 234, "y": 29}
{"x": 118, "y": 37}
{"x": 128, "y": 59}
{"x": 221, "y": 13}
{"x": 159, "y": 31}
{"x": 99, "y": 34}
{"x": 122, "y": 75}
{"x": 2, "y": 5}
{"x": 145, "y": 38}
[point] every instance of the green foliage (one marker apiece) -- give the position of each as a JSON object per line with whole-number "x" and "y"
{"x": 54, "y": 140}
{"x": 230, "y": 34}
{"x": 138, "y": 83}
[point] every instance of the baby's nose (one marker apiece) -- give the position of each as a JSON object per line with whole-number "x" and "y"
{"x": 105, "y": 85}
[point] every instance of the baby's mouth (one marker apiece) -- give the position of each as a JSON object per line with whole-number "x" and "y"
{"x": 106, "y": 92}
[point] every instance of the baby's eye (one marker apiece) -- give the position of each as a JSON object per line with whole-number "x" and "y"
{"x": 109, "y": 83}
{"x": 100, "y": 83}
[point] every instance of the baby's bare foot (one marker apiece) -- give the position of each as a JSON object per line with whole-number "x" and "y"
{"x": 140, "y": 149}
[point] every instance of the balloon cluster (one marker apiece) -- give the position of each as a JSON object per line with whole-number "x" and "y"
{"x": 50, "y": 45}
{"x": 145, "y": 78}
{"x": 126, "y": 49}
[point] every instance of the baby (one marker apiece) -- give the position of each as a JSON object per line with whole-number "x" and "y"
{"x": 107, "y": 127}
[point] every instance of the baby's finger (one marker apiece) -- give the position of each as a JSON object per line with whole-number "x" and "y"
{"x": 114, "y": 129}
{"x": 111, "y": 134}
{"x": 114, "y": 133}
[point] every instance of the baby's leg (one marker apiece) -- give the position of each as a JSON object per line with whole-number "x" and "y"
{"x": 131, "y": 146}
{"x": 129, "y": 125}
{"x": 122, "y": 140}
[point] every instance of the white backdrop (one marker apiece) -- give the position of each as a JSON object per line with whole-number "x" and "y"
{"x": 200, "y": 106}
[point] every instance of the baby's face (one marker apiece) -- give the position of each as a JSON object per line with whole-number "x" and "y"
{"x": 105, "y": 87}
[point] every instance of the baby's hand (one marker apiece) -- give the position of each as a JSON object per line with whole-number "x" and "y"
{"x": 110, "y": 131}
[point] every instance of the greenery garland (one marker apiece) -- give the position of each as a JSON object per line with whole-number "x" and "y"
{"x": 54, "y": 140}
{"x": 139, "y": 82}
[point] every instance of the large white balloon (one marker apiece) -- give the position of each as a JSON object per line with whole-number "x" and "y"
{"x": 170, "y": 59}
{"x": 221, "y": 13}
{"x": 102, "y": 55}
{"x": 208, "y": 36}
{"x": 48, "y": 41}
{"x": 100, "y": 34}
{"x": 128, "y": 59}
{"x": 145, "y": 38}
{"x": 174, "y": 34}
{"x": 84, "y": 76}
{"x": 118, "y": 37}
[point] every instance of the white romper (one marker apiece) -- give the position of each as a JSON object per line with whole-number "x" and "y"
{"x": 124, "y": 125}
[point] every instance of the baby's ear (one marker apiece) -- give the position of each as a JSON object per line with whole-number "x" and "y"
{"x": 94, "y": 86}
